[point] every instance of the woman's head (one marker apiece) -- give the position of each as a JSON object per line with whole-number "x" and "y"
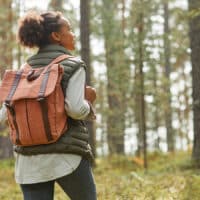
{"x": 38, "y": 30}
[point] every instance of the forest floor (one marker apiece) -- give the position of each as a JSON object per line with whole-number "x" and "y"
{"x": 169, "y": 177}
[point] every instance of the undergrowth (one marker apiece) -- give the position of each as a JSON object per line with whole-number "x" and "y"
{"x": 168, "y": 177}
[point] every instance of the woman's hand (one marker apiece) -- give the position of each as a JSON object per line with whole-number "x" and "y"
{"x": 90, "y": 94}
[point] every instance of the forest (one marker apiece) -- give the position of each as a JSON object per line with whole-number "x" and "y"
{"x": 142, "y": 58}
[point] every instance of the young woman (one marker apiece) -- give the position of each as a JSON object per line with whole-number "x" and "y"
{"x": 38, "y": 168}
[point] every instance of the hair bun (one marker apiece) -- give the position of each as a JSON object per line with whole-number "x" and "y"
{"x": 31, "y": 29}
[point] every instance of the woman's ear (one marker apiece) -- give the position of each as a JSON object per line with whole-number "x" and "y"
{"x": 55, "y": 36}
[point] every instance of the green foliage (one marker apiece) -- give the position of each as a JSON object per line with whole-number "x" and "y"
{"x": 165, "y": 179}
{"x": 193, "y": 13}
{"x": 120, "y": 178}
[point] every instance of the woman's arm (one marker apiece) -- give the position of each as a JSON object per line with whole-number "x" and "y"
{"x": 76, "y": 105}
{"x": 3, "y": 115}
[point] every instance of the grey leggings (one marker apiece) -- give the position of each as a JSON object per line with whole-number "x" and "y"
{"x": 78, "y": 186}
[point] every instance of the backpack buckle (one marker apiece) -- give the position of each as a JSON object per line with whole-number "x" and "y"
{"x": 10, "y": 108}
{"x": 40, "y": 99}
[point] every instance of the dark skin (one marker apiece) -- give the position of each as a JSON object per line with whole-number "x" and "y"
{"x": 90, "y": 94}
{"x": 65, "y": 36}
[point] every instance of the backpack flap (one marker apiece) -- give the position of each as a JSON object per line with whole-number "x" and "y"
{"x": 30, "y": 88}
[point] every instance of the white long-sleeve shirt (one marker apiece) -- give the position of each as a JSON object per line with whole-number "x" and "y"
{"x": 46, "y": 167}
{"x": 76, "y": 105}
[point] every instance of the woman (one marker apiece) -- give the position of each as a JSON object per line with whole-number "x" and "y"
{"x": 51, "y": 33}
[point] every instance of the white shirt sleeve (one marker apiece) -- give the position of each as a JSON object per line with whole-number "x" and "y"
{"x": 75, "y": 104}
{"x": 3, "y": 115}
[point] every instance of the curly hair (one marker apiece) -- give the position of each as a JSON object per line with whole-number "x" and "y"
{"x": 34, "y": 28}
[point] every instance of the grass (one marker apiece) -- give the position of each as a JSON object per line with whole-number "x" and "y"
{"x": 169, "y": 177}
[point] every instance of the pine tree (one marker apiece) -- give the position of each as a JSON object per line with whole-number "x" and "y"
{"x": 117, "y": 73}
{"x": 167, "y": 64}
{"x": 85, "y": 55}
{"x": 6, "y": 56}
{"x": 195, "y": 58}
{"x": 6, "y": 35}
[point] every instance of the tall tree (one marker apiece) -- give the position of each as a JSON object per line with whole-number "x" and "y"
{"x": 140, "y": 20}
{"x": 6, "y": 35}
{"x": 85, "y": 55}
{"x": 117, "y": 73}
{"x": 6, "y": 57}
{"x": 142, "y": 116}
{"x": 168, "y": 110}
{"x": 141, "y": 102}
{"x": 194, "y": 23}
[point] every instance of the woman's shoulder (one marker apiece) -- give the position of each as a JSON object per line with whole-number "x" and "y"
{"x": 45, "y": 55}
{"x": 73, "y": 62}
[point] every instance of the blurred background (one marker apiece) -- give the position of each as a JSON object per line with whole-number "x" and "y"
{"x": 143, "y": 58}
{"x": 138, "y": 58}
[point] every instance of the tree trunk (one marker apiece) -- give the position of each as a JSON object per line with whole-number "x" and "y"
{"x": 116, "y": 76}
{"x": 6, "y": 35}
{"x": 142, "y": 117}
{"x": 168, "y": 111}
{"x": 6, "y": 56}
{"x": 187, "y": 109}
{"x": 195, "y": 58}
{"x": 156, "y": 112}
{"x": 85, "y": 55}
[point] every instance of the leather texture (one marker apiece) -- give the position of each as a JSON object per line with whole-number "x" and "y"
{"x": 36, "y": 111}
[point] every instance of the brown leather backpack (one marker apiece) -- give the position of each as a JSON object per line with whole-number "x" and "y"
{"x": 35, "y": 103}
